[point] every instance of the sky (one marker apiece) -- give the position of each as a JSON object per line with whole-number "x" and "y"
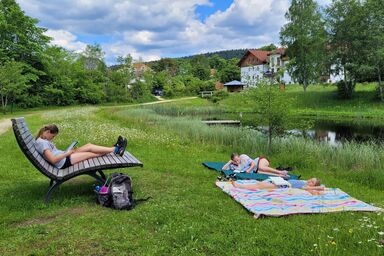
{"x": 154, "y": 29}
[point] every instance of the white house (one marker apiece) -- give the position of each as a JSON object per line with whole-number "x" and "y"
{"x": 255, "y": 63}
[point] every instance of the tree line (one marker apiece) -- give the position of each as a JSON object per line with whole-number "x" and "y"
{"x": 35, "y": 73}
{"x": 345, "y": 38}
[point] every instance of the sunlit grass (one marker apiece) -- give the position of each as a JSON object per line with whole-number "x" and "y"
{"x": 187, "y": 214}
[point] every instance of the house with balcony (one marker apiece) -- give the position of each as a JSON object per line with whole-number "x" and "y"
{"x": 256, "y": 63}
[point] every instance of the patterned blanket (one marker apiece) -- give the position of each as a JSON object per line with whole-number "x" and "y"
{"x": 279, "y": 202}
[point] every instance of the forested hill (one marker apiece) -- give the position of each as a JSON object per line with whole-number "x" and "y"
{"x": 226, "y": 54}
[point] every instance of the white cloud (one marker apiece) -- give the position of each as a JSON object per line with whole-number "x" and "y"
{"x": 66, "y": 40}
{"x": 158, "y": 28}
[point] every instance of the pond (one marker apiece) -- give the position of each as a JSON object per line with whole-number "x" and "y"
{"x": 335, "y": 132}
{"x": 332, "y": 131}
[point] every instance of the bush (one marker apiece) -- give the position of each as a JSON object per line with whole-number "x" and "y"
{"x": 218, "y": 96}
{"x": 380, "y": 93}
{"x": 345, "y": 89}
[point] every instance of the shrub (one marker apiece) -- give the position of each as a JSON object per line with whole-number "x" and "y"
{"x": 218, "y": 96}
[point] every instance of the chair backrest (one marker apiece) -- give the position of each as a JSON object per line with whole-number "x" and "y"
{"x": 27, "y": 145}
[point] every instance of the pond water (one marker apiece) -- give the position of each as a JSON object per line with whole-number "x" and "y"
{"x": 336, "y": 132}
{"x": 332, "y": 131}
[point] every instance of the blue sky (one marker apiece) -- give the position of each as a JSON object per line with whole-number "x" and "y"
{"x": 153, "y": 29}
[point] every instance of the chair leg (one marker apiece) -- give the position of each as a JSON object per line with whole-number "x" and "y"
{"x": 102, "y": 175}
{"x": 97, "y": 177}
{"x": 51, "y": 182}
{"x": 53, "y": 187}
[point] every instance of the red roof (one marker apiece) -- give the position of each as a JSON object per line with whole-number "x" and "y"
{"x": 262, "y": 56}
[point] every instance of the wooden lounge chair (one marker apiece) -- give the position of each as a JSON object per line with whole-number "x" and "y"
{"x": 93, "y": 167}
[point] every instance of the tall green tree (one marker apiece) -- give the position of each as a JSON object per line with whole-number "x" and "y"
{"x": 13, "y": 82}
{"x": 20, "y": 37}
{"x": 345, "y": 27}
{"x": 93, "y": 57}
{"x": 304, "y": 36}
{"x": 270, "y": 106}
{"x": 374, "y": 46}
{"x": 60, "y": 76}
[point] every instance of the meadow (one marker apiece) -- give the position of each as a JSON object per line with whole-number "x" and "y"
{"x": 320, "y": 101}
{"x": 187, "y": 214}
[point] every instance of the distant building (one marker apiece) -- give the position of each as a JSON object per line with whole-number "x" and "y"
{"x": 139, "y": 69}
{"x": 255, "y": 63}
{"x": 234, "y": 86}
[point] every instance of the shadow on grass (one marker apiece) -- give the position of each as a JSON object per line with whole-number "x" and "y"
{"x": 28, "y": 195}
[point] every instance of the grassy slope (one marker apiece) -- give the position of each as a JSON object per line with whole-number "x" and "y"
{"x": 322, "y": 101}
{"x": 187, "y": 215}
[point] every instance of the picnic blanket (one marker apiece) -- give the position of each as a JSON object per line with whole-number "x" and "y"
{"x": 280, "y": 202}
{"x": 217, "y": 166}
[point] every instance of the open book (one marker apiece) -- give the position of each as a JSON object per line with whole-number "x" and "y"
{"x": 279, "y": 181}
{"x": 73, "y": 144}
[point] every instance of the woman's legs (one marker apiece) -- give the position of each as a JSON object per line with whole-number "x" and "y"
{"x": 81, "y": 156}
{"x": 264, "y": 168}
{"x": 258, "y": 185}
{"x": 95, "y": 149}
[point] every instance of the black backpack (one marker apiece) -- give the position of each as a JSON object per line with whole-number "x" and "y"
{"x": 117, "y": 193}
{"x": 120, "y": 188}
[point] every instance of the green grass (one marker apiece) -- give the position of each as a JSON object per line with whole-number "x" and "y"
{"x": 321, "y": 101}
{"x": 187, "y": 214}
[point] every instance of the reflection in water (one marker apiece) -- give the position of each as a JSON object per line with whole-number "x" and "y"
{"x": 336, "y": 132}
{"x": 333, "y": 132}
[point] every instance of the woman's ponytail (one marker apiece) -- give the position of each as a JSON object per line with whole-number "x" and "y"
{"x": 52, "y": 128}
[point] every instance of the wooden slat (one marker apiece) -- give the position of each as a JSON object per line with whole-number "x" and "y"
{"x": 76, "y": 167}
{"x": 64, "y": 172}
{"x": 71, "y": 169}
{"x": 106, "y": 160}
{"x": 91, "y": 163}
{"x": 135, "y": 160}
{"x": 51, "y": 169}
{"x": 101, "y": 160}
{"x": 56, "y": 171}
{"x": 81, "y": 165}
{"x": 86, "y": 164}
{"x": 96, "y": 161}
{"x": 128, "y": 158}
{"x": 117, "y": 159}
{"x": 110, "y": 157}
{"x": 28, "y": 139}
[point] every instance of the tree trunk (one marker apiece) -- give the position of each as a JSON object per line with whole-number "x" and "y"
{"x": 380, "y": 85}
{"x": 4, "y": 101}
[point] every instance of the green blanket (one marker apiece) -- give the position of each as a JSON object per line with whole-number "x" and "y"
{"x": 217, "y": 166}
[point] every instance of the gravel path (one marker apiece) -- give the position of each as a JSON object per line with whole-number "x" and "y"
{"x": 5, "y": 124}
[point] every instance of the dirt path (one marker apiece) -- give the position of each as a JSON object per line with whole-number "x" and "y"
{"x": 5, "y": 124}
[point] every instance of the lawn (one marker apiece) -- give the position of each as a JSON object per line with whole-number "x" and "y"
{"x": 187, "y": 214}
{"x": 321, "y": 100}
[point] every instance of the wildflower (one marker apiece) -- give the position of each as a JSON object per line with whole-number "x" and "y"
{"x": 380, "y": 233}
